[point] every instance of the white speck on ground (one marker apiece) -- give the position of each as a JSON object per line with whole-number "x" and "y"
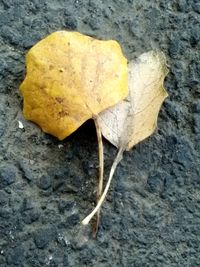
{"x": 20, "y": 125}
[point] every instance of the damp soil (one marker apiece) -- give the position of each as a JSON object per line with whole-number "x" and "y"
{"x": 152, "y": 213}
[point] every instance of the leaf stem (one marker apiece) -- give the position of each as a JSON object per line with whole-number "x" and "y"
{"x": 103, "y": 196}
{"x": 101, "y": 172}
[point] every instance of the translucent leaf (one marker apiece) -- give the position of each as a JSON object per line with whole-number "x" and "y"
{"x": 135, "y": 118}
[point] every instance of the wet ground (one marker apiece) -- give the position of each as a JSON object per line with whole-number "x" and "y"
{"x": 152, "y": 213}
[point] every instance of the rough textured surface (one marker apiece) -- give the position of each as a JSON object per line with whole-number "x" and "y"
{"x": 152, "y": 214}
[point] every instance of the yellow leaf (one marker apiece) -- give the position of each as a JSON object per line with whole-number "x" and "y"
{"x": 70, "y": 78}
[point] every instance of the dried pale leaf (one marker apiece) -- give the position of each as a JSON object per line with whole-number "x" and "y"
{"x": 135, "y": 118}
{"x": 71, "y": 78}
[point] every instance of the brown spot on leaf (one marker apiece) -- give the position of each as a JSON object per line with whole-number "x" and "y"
{"x": 51, "y": 67}
{"x": 59, "y": 99}
{"x": 63, "y": 113}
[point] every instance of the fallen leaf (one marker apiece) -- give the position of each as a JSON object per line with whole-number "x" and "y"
{"x": 135, "y": 118}
{"x": 70, "y": 78}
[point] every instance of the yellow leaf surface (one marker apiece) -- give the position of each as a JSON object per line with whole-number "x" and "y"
{"x": 70, "y": 78}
